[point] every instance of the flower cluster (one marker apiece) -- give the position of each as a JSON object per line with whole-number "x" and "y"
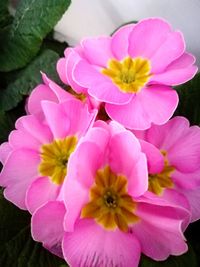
{"x": 104, "y": 171}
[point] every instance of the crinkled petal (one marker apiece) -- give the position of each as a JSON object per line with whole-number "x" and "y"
{"x": 47, "y": 226}
{"x": 41, "y": 191}
{"x": 91, "y": 245}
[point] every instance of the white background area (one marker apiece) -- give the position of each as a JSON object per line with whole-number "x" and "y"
{"x": 99, "y": 17}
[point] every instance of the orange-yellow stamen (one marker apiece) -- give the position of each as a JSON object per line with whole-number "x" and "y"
{"x": 130, "y": 74}
{"x": 110, "y": 205}
{"x": 158, "y": 182}
{"x": 54, "y": 158}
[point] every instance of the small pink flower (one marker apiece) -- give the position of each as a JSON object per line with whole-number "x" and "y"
{"x": 36, "y": 154}
{"x": 132, "y": 71}
{"x": 109, "y": 218}
{"x": 175, "y": 165}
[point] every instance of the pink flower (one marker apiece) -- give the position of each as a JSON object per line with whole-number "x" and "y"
{"x": 132, "y": 71}
{"x": 175, "y": 165}
{"x": 36, "y": 154}
{"x": 109, "y": 220}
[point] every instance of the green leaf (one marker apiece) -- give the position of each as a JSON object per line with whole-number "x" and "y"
{"x": 189, "y": 97}
{"x": 5, "y": 17}
{"x": 33, "y": 20}
{"x": 186, "y": 260}
{"x": 17, "y": 249}
{"x": 28, "y": 78}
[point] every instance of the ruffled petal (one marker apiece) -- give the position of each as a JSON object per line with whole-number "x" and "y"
{"x": 91, "y": 245}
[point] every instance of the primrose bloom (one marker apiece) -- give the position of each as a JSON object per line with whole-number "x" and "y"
{"x": 132, "y": 71}
{"x": 35, "y": 157}
{"x": 175, "y": 165}
{"x": 110, "y": 220}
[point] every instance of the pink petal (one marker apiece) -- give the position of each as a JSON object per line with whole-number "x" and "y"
{"x": 97, "y": 50}
{"x": 185, "y": 154}
{"x": 5, "y": 150}
{"x": 56, "y": 119}
{"x": 120, "y": 41}
{"x": 82, "y": 167}
{"x": 33, "y": 126}
{"x": 154, "y": 104}
{"x": 18, "y": 173}
{"x": 167, "y": 135}
{"x": 125, "y": 157}
{"x": 47, "y": 226}
{"x": 136, "y": 119}
{"x": 91, "y": 245}
{"x": 147, "y": 36}
{"x": 193, "y": 197}
{"x": 75, "y": 197}
{"x": 159, "y": 232}
{"x": 79, "y": 116}
{"x": 40, "y": 93}
{"x": 172, "y": 199}
{"x": 72, "y": 58}
{"x": 22, "y": 139}
{"x": 155, "y": 159}
{"x": 189, "y": 180}
{"x": 61, "y": 69}
{"x": 99, "y": 86}
{"x": 171, "y": 49}
{"x": 175, "y": 76}
{"x": 41, "y": 191}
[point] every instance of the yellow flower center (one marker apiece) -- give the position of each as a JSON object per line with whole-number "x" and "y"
{"x": 158, "y": 182}
{"x": 130, "y": 74}
{"x": 54, "y": 158}
{"x": 110, "y": 205}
